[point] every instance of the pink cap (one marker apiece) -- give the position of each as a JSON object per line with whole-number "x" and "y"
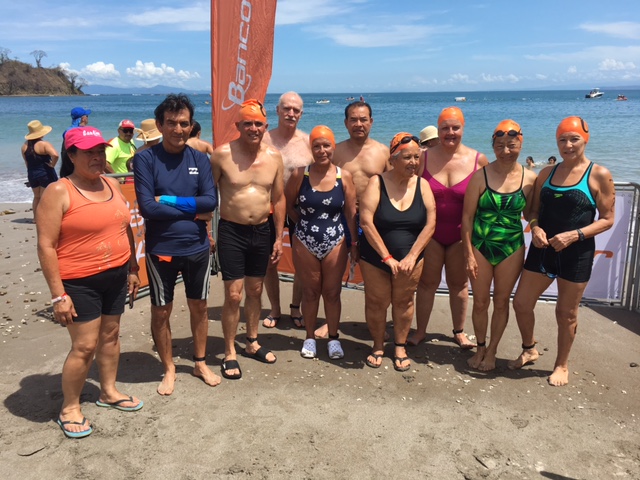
{"x": 126, "y": 124}
{"x": 84, "y": 138}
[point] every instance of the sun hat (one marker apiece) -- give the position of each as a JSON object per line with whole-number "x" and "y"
{"x": 84, "y": 138}
{"x": 37, "y": 130}
{"x": 148, "y": 130}
{"x": 79, "y": 112}
{"x": 428, "y": 133}
{"x": 126, "y": 124}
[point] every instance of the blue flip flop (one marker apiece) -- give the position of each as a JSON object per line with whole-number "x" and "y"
{"x": 70, "y": 434}
{"x": 118, "y": 405}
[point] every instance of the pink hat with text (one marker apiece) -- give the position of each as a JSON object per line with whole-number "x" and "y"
{"x": 84, "y": 138}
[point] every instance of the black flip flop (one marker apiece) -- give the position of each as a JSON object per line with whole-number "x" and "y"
{"x": 231, "y": 365}
{"x": 260, "y": 355}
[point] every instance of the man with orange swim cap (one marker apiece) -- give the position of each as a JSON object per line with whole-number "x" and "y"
{"x": 575, "y": 125}
{"x": 248, "y": 173}
{"x": 293, "y": 145}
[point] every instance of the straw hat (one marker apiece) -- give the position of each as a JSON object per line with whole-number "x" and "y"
{"x": 37, "y": 130}
{"x": 428, "y": 133}
{"x": 148, "y": 131}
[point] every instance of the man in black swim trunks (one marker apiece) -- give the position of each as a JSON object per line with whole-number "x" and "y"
{"x": 249, "y": 175}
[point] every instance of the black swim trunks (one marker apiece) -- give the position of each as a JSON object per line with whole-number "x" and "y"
{"x": 162, "y": 272}
{"x": 244, "y": 250}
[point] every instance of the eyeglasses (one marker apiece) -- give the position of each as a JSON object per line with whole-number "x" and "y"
{"x": 127, "y": 130}
{"x": 502, "y": 133}
{"x": 404, "y": 141}
{"x": 544, "y": 270}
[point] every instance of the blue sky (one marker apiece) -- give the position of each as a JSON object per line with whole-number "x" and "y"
{"x": 344, "y": 45}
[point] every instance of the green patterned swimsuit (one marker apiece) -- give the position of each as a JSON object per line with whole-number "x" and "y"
{"x": 497, "y": 227}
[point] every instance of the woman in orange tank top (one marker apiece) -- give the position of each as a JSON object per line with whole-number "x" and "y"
{"x": 86, "y": 250}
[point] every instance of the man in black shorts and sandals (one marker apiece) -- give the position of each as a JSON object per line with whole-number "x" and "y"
{"x": 249, "y": 175}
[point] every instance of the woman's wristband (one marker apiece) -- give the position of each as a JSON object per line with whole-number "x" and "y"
{"x": 135, "y": 269}
{"x": 59, "y": 299}
{"x": 387, "y": 258}
{"x": 532, "y": 222}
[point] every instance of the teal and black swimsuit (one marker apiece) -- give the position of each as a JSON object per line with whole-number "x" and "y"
{"x": 497, "y": 227}
{"x": 563, "y": 209}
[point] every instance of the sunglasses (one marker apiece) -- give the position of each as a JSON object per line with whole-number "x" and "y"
{"x": 404, "y": 141}
{"x": 544, "y": 270}
{"x": 127, "y": 130}
{"x": 502, "y": 133}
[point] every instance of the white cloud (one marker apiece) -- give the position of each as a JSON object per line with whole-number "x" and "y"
{"x": 461, "y": 78}
{"x": 101, "y": 70}
{"x": 194, "y": 18}
{"x": 609, "y": 64}
{"x": 383, "y": 34}
{"x": 540, "y": 76}
{"x": 291, "y": 12}
{"x": 511, "y": 78}
{"x": 572, "y": 70}
{"x": 630, "y": 30}
{"x": 149, "y": 71}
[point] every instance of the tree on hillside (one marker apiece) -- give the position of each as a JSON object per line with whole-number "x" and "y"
{"x": 4, "y": 54}
{"x": 77, "y": 82}
{"x": 38, "y": 55}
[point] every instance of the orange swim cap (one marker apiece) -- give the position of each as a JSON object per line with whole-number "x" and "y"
{"x": 574, "y": 124}
{"x": 510, "y": 128}
{"x": 322, "y": 131}
{"x": 252, "y": 109}
{"x": 402, "y": 140}
{"x": 450, "y": 113}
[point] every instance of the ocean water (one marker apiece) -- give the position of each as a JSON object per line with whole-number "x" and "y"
{"x": 614, "y": 124}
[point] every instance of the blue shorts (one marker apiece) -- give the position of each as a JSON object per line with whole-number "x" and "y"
{"x": 162, "y": 275}
{"x": 101, "y": 294}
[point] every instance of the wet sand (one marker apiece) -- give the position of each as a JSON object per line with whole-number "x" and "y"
{"x": 317, "y": 418}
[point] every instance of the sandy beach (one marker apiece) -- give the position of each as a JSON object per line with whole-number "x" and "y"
{"x": 316, "y": 419}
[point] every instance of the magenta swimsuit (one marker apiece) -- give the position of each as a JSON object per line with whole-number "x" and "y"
{"x": 449, "y": 203}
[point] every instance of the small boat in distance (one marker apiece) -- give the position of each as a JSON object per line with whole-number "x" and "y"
{"x": 461, "y": 99}
{"x": 594, "y": 93}
{"x": 621, "y": 98}
{"x": 324, "y": 100}
{"x": 350, "y": 99}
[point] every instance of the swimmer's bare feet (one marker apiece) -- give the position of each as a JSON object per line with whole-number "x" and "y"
{"x": 559, "y": 377}
{"x": 461, "y": 339}
{"x": 322, "y": 331}
{"x": 528, "y": 355}
{"x": 476, "y": 360}
{"x": 416, "y": 339}
{"x": 488, "y": 363}
{"x": 168, "y": 381}
{"x": 203, "y": 372}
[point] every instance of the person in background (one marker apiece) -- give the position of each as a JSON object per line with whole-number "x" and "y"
{"x": 196, "y": 142}
{"x": 176, "y": 196}
{"x": 530, "y": 163}
{"x": 318, "y": 196}
{"x": 87, "y": 253}
{"x": 552, "y": 160}
{"x": 149, "y": 134}
{"x": 79, "y": 118}
{"x": 448, "y": 167}
{"x": 428, "y": 137}
{"x": 397, "y": 214}
{"x": 248, "y": 173}
{"x": 563, "y": 226}
{"x": 293, "y": 145}
{"x": 493, "y": 238}
{"x": 40, "y": 158}
{"x": 123, "y": 149}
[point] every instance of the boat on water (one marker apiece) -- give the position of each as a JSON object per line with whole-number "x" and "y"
{"x": 324, "y": 100}
{"x": 350, "y": 99}
{"x": 461, "y": 99}
{"x": 622, "y": 98}
{"x": 594, "y": 93}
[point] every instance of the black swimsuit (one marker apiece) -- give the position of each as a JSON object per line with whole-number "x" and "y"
{"x": 398, "y": 229}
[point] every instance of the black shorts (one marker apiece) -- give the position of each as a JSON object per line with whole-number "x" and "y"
{"x": 42, "y": 177}
{"x": 163, "y": 274}
{"x": 101, "y": 294}
{"x": 573, "y": 264}
{"x": 243, "y": 250}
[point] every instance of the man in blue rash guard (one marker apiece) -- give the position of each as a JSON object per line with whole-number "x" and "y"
{"x": 176, "y": 196}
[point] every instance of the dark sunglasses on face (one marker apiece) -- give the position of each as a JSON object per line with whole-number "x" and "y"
{"x": 127, "y": 130}
{"x": 502, "y": 133}
{"x": 404, "y": 141}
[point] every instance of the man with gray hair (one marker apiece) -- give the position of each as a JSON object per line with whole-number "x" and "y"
{"x": 293, "y": 144}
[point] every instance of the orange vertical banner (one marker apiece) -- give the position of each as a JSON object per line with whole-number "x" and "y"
{"x": 241, "y": 54}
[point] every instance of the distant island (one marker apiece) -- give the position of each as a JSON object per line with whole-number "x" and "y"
{"x": 19, "y": 78}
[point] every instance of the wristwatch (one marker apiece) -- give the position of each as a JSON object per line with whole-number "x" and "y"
{"x": 580, "y": 235}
